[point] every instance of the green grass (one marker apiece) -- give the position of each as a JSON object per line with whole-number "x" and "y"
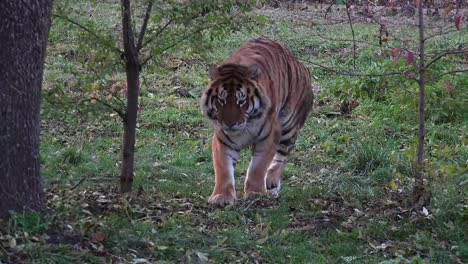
{"x": 343, "y": 192}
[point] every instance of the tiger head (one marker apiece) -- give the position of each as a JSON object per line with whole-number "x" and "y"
{"x": 233, "y": 97}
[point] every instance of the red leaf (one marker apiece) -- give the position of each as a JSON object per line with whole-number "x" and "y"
{"x": 353, "y": 103}
{"x": 458, "y": 20}
{"x": 98, "y": 237}
{"x": 409, "y": 57}
{"x": 448, "y": 86}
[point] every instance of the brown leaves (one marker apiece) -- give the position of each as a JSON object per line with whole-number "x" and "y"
{"x": 98, "y": 237}
{"x": 395, "y": 54}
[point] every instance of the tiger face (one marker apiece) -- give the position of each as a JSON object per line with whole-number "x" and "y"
{"x": 233, "y": 99}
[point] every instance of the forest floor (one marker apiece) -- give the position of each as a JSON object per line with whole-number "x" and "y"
{"x": 345, "y": 192}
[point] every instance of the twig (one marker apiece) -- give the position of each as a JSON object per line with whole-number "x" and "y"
{"x": 89, "y": 31}
{"x": 344, "y": 40}
{"x": 79, "y": 183}
{"x": 337, "y": 72}
{"x": 442, "y": 33}
{"x": 446, "y": 53}
{"x": 328, "y": 10}
{"x": 157, "y": 33}
{"x": 352, "y": 32}
{"x": 145, "y": 24}
{"x": 437, "y": 77}
{"x": 183, "y": 38}
{"x": 115, "y": 109}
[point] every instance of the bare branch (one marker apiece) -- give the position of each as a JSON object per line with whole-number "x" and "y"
{"x": 442, "y": 33}
{"x": 347, "y": 73}
{"x": 186, "y": 36}
{"x": 344, "y": 40}
{"x": 352, "y": 32}
{"x": 106, "y": 104}
{"x": 157, "y": 33}
{"x": 145, "y": 24}
{"x": 87, "y": 30}
{"x": 329, "y": 69}
{"x": 446, "y": 53}
{"x": 436, "y": 78}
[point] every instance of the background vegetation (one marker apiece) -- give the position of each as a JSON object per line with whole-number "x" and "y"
{"x": 344, "y": 192}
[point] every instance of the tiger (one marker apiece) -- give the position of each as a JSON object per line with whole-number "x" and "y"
{"x": 259, "y": 97}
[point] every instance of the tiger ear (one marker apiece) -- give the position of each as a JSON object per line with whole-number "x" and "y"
{"x": 213, "y": 70}
{"x": 254, "y": 71}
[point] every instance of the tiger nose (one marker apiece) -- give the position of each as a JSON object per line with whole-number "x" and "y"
{"x": 231, "y": 124}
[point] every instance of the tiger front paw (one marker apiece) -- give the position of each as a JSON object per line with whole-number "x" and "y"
{"x": 252, "y": 191}
{"x": 222, "y": 199}
{"x": 253, "y": 194}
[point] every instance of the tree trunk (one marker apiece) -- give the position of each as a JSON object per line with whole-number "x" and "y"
{"x": 132, "y": 67}
{"x": 418, "y": 189}
{"x": 24, "y": 28}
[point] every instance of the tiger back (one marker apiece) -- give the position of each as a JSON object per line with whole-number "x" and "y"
{"x": 258, "y": 97}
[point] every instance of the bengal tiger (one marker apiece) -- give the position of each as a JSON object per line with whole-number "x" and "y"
{"x": 258, "y": 97}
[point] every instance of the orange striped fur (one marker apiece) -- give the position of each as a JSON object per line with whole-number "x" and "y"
{"x": 258, "y": 97}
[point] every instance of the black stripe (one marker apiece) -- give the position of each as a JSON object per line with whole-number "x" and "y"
{"x": 285, "y": 142}
{"x": 226, "y": 144}
{"x": 228, "y": 138}
{"x": 208, "y": 94}
{"x": 282, "y": 152}
{"x": 234, "y": 159}
{"x": 265, "y": 137}
{"x": 291, "y": 117}
{"x": 256, "y": 114}
{"x": 279, "y": 161}
{"x": 285, "y": 132}
{"x": 261, "y": 129}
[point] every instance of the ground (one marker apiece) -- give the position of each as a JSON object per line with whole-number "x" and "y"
{"x": 345, "y": 194}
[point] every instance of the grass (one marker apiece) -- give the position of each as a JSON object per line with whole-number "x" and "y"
{"x": 343, "y": 195}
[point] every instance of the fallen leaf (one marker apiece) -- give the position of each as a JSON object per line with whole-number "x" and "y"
{"x": 393, "y": 186}
{"x": 425, "y": 211}
{"x": 98, "y": 237}
{"x": 202, "y": 257}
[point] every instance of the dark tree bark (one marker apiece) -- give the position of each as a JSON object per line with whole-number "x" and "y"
{"x": 24, "y": 28}
{"x": 132, "y": 68}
